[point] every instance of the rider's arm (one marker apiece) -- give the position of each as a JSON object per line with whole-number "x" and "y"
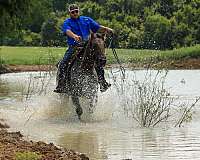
{"x": 96, "y": 27}
{"x": 72, "y": 35}
{"x": 105, "y": 29}
{"x": 67, "y": 30}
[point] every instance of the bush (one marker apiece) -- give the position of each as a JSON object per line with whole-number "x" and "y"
{"x": 148, "y": 103}
{"x": 157, "y": 32}
{"x": 31, "y": 38}
{"x": 51, "y": 32}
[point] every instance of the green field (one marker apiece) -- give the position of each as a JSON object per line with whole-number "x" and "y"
{"x": 50, "y": 55}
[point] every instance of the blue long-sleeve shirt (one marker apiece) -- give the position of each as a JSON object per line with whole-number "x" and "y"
{"x": 81, "y": 27}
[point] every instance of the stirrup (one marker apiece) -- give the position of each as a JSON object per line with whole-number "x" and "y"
{"x": 104, "y": 86}
{"x": 60, "y": 90}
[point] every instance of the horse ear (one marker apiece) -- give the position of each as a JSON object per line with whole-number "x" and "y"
{"x": 98, "y": 35}
{"x": 101, "y": 35}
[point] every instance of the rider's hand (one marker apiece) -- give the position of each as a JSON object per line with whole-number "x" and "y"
{"x": 77, "y": 38}
{"x": 110, "y": 31}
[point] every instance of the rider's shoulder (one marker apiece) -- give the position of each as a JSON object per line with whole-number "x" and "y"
{"x": 85, "y": 18}
{"x": 67, "y": 20}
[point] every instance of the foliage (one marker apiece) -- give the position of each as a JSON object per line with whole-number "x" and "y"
{"x": 50, "y": 32}
{"x": 30, "y": 38}
{"x": 27, "y": 156}
{"x": 59, "y": 5}
{"x": 39, "y": 13}
{"x": 12, "y": 13}
{"x": 140, "y": 24}
{"x": 157, "y": 32}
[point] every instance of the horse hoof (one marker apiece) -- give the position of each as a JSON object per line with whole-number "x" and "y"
{"x": 79, "y": 112}
{"x": 91, "y": 111}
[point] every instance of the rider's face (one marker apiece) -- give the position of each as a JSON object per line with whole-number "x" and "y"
{"x": 74, "y": 13}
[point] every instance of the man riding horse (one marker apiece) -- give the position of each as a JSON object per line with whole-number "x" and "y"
{"x": 77, "y": 29}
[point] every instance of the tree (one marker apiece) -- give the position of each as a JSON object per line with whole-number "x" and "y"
{"x": 12, "y": 12}
{"x": 40, "y": 11}
{"x": 91, "y": 9}
{"x": 166, "y": 8}
{"x": 135, "y": 39}
{"x": 51, "y": 32}
{"x": 59, "y": 5}
{"x": 186, "y": 25}
{"x": 157, "y": 32}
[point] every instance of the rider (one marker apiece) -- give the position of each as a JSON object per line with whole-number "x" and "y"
{"x": 77, "y": 29}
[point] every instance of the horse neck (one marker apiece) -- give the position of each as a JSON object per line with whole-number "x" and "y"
{"x": 88, "y": 56}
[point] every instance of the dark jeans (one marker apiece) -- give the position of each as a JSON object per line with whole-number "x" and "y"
{"x": 100, "y": 63}
{"x": 64, "y": 62}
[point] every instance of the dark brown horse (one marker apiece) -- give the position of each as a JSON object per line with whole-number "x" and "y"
{"x": 82, "y": 79}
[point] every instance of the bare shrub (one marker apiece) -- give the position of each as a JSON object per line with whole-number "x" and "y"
{"x": 49, "y": 59}
{"x": 186, "y": 113}
{"x": 149, "y": 103}
{"x": 39, "y": 84}
{"x": 36, "y": 85}
{"x": 3, "y": 68}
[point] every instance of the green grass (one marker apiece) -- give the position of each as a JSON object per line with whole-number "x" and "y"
{"x": 27, "y": 156}
{"x": 30, "y": 55}
{"x": 142, "y": 56}
{"x": 50, "y": 55}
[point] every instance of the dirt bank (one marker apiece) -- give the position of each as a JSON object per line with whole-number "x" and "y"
{"x": 13, "y": 143}
{"x": 23, "y": 68}
{"x": 187, "y": 63}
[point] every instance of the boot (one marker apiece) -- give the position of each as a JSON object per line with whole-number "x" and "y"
{"x": 101, "y": 79}
{"x": 104, "y": 85}
{"x": 59, "y": 90}
{"x": 61, "y": 86}
{"x": 61, "y": 78}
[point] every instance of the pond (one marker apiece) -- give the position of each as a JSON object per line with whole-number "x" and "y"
{"x": 29, "y": 105}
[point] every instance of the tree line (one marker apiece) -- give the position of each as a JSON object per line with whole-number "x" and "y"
{"x": 140, "y": 24}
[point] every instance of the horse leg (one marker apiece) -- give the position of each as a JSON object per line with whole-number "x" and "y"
{"x": 79, "y": 110}
{"x": 92, "y": 103}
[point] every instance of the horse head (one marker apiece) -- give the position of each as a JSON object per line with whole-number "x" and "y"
{"x": 92, "y": 50}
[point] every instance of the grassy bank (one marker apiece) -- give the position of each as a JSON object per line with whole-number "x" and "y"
{"x": 50, "y": 55}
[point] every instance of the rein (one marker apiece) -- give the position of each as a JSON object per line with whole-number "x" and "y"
{"x": 111, "y": 45}
{"x": 78, "y": 50}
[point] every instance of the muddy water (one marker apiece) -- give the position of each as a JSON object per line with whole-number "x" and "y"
{"x": 29, "y": 105}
